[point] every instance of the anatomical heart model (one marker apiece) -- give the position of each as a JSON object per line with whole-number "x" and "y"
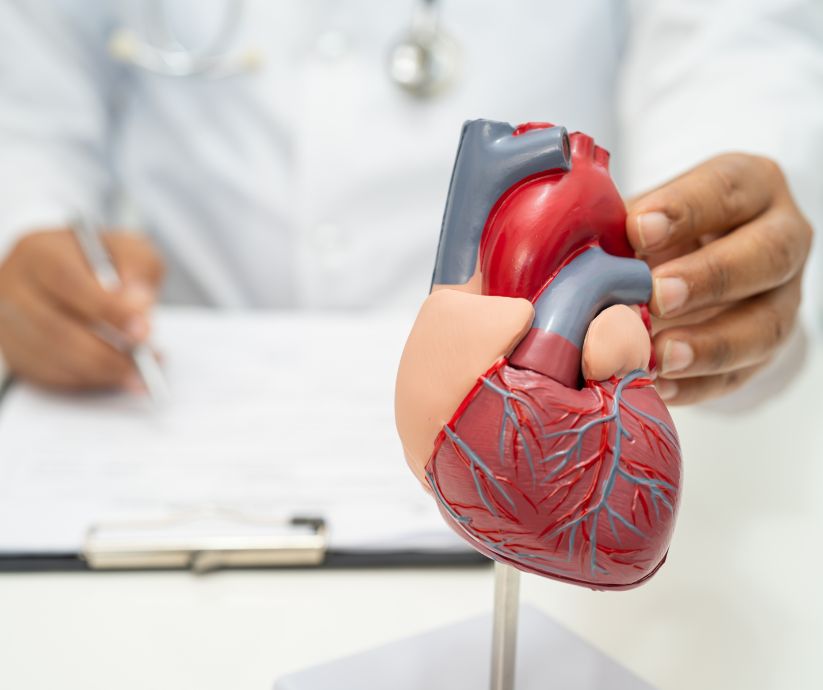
{"x": 533, "y": 465}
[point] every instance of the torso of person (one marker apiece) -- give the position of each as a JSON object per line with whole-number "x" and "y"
{"x": 314, "y": 181}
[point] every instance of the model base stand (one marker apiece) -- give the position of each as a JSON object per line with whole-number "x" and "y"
{"x": 532, "y": 653}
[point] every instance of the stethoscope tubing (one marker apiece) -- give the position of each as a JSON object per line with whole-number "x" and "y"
{"x": 423, "y": 62}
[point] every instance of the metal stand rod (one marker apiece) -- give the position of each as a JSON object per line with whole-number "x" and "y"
{"x": 504, "y": 635}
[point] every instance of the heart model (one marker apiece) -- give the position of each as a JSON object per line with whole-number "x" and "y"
{"x": 533, "y": 466}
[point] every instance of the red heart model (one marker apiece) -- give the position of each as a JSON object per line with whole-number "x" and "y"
{"x": 570, "y": 479}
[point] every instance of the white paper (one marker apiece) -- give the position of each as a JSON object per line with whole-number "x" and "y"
{"x": 272, "y": 415}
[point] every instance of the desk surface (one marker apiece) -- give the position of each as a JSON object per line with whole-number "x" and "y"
{"x": 738, "y": 604}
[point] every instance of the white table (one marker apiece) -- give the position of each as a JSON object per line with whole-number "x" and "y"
{"x": 738, "y": 604}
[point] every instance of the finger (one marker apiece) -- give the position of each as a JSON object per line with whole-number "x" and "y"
{"x": 758, "y": 256}
{"x": 24, "y": 362}
{"x": 740, "y": 337}
{"x": 616, "y": 344}
{"x": 66, "y": 279}
{"x": 135, "y": 258}
{"x": 83, "y": 359}
{"x": 654, "y": 259}
{"x": 702, "y": 388}
{"x": 26, "y": 355}
{"x": 714, "y": 197}
{"x": 698, "y": 316}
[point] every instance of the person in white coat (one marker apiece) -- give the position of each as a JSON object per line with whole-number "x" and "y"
{"x": 289, "y": 169}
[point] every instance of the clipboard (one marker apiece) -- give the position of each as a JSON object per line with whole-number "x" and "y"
{"x": 300, "y": 535}
{"x": 299, "y": 542}
{"x": 67, "y": 562}
{"x": 159, "y": 544}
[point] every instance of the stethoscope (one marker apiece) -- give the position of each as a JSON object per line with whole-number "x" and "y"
{"x": 426, "y": 60}
{"x": 423, "y": 62}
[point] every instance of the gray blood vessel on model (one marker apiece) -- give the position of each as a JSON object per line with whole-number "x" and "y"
{"x": 587, "y": 285}
{"x": 489, "y": 161}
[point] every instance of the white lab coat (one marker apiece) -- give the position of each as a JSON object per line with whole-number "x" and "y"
{"x": 315, "y": 182}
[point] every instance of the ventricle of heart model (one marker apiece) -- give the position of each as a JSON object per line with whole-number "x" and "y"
{"x": 531, "y": 463}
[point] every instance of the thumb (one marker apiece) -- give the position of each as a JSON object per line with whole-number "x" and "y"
{"x": 616, "y": 343}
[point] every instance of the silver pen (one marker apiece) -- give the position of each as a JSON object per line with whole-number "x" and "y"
{"x": 104, "y": 270}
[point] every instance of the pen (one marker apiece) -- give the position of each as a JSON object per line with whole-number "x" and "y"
{"x": 103, "y": 268}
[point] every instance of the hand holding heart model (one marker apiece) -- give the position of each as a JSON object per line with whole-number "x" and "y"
{"x": 534, "y": 465}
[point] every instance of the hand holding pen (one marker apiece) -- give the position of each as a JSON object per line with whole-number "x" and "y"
{"x": 52, "y": 307}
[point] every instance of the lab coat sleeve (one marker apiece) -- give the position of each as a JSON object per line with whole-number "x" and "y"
{"x": 703, "y": 77}
{"x": 55, "y": 103}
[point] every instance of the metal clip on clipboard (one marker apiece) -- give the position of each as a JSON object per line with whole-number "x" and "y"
{"x": 184, "y": 542}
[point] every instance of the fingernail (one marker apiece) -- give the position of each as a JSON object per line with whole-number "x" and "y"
{"x": 137, "y": 328}
{"x": 666, "y": 389}
{"x": 670, "y": 294}
{"x": 134, "y": 384}
{"x": 653, "y": 228}
{"x": 138, "y": 295}
{"x": 677, "y": 355}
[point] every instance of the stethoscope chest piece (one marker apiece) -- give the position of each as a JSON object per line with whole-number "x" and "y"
{"x": 426, "y": 61}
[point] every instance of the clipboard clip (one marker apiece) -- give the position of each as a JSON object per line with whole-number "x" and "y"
{"x": 205, "y": 541}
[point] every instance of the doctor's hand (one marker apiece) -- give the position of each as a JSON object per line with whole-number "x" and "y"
{"x": 727, "y": 245}
{"x": 58, "y": 327}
